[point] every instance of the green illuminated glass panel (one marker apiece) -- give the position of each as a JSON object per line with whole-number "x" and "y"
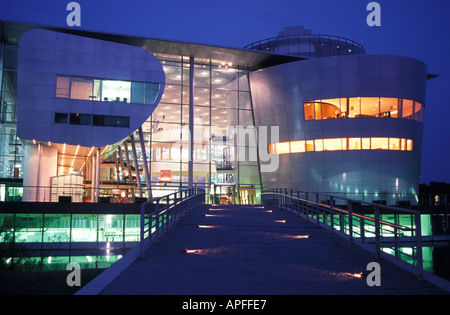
{"x": 50, "y": 263}
{"x": 84, "y": 228}
{"x": 28, "y": 228}
{"x": 85, "y": 262}
{"x": 132, "y": 227}
{"x": 110, "y": 228}
{"x": 6, "y": 227}
{"x": 107, "y": 261}
{"x": 56, "y": 228}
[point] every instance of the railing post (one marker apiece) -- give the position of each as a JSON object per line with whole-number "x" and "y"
{"x": 317, "y": 208}
{"x": 167, "y": 214}
{"x": 396, "y": 239}
{"x": 350, "y": 222}
{"x": 377, "y": 231}
{"x": 141, "y": 240}
{"x": 419, "y": 255}
{"x": 331, "y": 215}
{"x": 362, "y": 230}
{"x": 156, "y": 222}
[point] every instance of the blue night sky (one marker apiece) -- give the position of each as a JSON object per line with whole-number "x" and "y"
{"x": 413, "y": 28}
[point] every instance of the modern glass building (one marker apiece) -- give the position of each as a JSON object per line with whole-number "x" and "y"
{"x": 93, "y": 117}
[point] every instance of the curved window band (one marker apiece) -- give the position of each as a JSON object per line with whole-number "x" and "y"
{"x": 106, "y": 90}
{"x": 342, "y": 144}
{"x": 359, "y": 107}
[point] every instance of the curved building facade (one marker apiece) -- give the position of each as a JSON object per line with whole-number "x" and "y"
{"x": 123, "y": 117}
{"x": 75, "y": 96}
{"x": 83, "y": 91}
{"x": 348, "y": 125}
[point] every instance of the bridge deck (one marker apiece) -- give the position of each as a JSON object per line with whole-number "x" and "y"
{"x": 249, "y": 252}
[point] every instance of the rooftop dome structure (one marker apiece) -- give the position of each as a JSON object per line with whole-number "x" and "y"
{"x": 296, "y": 40}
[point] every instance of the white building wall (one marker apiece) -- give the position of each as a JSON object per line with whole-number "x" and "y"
{"x": 279, "y": 93}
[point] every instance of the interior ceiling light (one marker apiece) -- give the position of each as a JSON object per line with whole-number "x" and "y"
{"x": 193, "y": 251}
{"x": 301, "y": 236}
{"x": 201, "y": 226}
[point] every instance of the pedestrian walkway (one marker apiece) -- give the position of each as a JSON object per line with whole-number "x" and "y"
{"x": 252, "y": 250}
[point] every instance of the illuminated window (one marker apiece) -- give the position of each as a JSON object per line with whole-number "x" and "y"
{"x": 380, "y": 143}
{"x": 332, "y": 144}
{"x": 418, "y": 111}
{"x": 282, "y": 148}
{"x": 97, "y": 90}
{"x": 365, "y": 143}
{"x": 342, "y": 144}
{"x": 62, "y": 86}
{"x": 370, "y": 107}
{"x": 317, "y": 111}
{"x": 116, "y": 91}
{"x": 84, "y": 228}
{"x": 81, "y": 88}
{"x": 318, "y": 143}
{"x": 407, "y": 109}
{"x": 331, "y": 108}
{"x": 354, "y": 143}
{"x": 403, "y": 144}
{"x": 272, "y": 148}
{"x": 354, "y": 107}
{"x": 344, "y": 108}
{"x": 409, "y": 145}
{"x": 394, "y": 143}
{"x": 389, "y": 107}
{"x": 309, "y": 111}
{"x": 298, "y": 146}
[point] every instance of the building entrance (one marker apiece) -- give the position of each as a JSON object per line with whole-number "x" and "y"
{"x": 224, "y": 194}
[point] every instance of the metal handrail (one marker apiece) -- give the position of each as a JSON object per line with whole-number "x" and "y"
{"x": 159, "y": 214}
{"x": 325, "y": 215}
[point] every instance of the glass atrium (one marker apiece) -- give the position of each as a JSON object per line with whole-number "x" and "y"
{"x": 221, "y": 100}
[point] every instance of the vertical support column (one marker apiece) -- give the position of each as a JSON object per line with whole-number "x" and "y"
{"x": 38, "y": 170}
{"x": 121, "y": 165}
{"x": 39, "y": 166}
{"x": 97, "y": 176}
{"x": 136, "y": 165}
{"x": 130, "y": 175}
{"x": 117, "y": 168}
{"x": 191, "y": 123}
{"x": 144, "y": 158}
{"x": 93, "y": 179}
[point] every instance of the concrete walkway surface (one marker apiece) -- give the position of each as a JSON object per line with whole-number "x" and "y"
{"x": 252, "y": 250}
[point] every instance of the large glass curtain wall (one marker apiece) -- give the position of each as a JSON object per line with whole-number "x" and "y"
{"x": 11, "y": 151}
{"x": 221, "y": 103}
